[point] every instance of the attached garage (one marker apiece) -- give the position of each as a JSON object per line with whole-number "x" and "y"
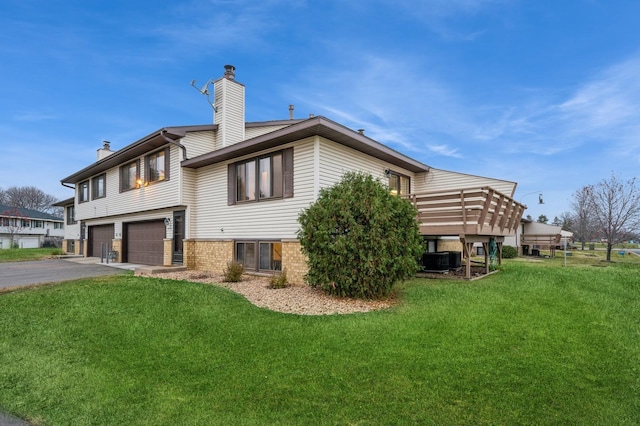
{"x": 145, "y": 242}
{"x": 100, "y": 240}
{"x": 28, "y": 242}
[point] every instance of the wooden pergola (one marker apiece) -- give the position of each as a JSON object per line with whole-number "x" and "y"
{"x": 475, "y": 215}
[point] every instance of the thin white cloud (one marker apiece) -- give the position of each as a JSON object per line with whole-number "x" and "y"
{"x": 445, "y": 150}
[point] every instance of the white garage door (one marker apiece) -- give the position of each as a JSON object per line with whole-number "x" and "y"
{"x": 28, "y": 242}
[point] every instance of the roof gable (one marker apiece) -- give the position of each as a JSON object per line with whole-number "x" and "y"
{"x": 27, "y": 213}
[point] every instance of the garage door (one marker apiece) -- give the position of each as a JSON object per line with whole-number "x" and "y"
{"x": 28, "y": 242}
{"x": 145, "y": 242}
{"x": 100, "y": 240}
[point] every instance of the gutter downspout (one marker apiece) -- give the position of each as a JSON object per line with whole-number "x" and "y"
{"x": 171, "y": 141}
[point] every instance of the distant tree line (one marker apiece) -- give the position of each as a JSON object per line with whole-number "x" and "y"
{"x": 608, "y": 210}
{"x": 29, "y": 197}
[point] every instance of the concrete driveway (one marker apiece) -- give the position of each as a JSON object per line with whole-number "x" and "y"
{"x": 20, "y": 274}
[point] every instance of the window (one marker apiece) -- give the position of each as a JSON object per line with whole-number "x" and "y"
{"x": 399, "y": 184}
{"x": 37, "y": 224}
{"x": 5, "y": 221}
{"x": 157, "y": 166}
{"x": 25, "y": 223}
{"x": 83, "y": 192}
{"x": 98, "y": 186}
{"x": 71, "y": 215}
{"x": 57, "y": 225}
{"x": 129, "y": 175}
{"x": 262, "y": 178}
{"x": 268, "y": 256}
{"x": 266, "y": 183}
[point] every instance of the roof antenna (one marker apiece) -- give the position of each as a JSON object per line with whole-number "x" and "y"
{"x": 205, "y": 91}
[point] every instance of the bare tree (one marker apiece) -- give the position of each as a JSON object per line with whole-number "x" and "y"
{"x": 582, "y": 221}
{"x": 615, "y": 206}
{"x": 28, "y": 197}
{"x": 12, "y": 223}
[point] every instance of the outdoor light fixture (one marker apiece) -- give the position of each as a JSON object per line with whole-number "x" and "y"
{"x": 167, "y": 221}
{"x": 540, "y": 200}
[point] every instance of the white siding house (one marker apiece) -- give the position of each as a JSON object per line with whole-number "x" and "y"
{"x": 202, "y": 196}
{"x": 28, "y": 228}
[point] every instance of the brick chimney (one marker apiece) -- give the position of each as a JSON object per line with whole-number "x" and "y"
{"x": 228, "y": 108}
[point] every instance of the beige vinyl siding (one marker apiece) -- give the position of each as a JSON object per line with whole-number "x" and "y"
{"x": 189, "y": 194}
{"x": 335, "y": 160}
{"x": 274, "y": 219}
{"x": 154, "y": 196}
{"x": 438, "y": 179}
{"x": 253, "y": 132}
{"x": 198, "y": 143}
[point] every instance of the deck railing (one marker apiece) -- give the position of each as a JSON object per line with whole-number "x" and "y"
{"x": 469, "y": 211}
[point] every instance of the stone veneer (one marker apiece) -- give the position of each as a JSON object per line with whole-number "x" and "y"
{"x": 294, "y": 261}
{"x": 450, "y": 245}
{"x": 116, "y": 245}
{"x": 213, "y": 255}
{"x": 167, "y": 255}
{"x": 208, "y": 255}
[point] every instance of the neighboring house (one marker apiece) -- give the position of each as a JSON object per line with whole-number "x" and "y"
{"x": 27, "y": 228}
{"x": 202, "y": 196}
{"x": 534, "y": 236}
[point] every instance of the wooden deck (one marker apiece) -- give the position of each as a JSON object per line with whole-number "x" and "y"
{"x": 475, "y": 215}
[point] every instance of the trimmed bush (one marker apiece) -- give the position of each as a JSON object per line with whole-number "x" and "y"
{"x": 279, "y": 280}
{"x": 233, "y": 272}
{"x": 509, "y": 252}
{"x": 359, "y": 239}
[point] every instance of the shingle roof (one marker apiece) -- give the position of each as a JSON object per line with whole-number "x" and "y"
{"x": 27, "y": 213}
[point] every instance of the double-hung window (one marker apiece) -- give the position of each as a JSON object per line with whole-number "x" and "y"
{"x": 399, "y": 184}
{"x": 83, "y": 191}
{"x": 157, "y": 166}
{"x": 259, "y": 178}
{"x": 259, "y": 255}
{"x": 262, "y": 178}
{"x": 99, "y": 186}
{"x": 71, "y": 215}
{"x": 129, "y": 175}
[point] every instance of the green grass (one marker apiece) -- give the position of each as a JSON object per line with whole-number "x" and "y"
{"x": 24, "y": 254}
{"x": 536, "y": 343}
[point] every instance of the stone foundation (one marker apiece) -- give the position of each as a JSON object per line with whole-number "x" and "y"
{"x": 208, "y": 255}
{"x": 294, "y": 261}
{"x": 450, "y": 245}
{"x": 116, "y": 245}
{"x": 167, "y": 256}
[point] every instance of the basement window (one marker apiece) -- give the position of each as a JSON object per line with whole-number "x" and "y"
{"x": 259, "y": 256}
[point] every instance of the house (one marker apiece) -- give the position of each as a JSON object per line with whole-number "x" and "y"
{"x": 534, "y": 236}
{"x": 202, "y": 196}
{"x": 28, "y": 228}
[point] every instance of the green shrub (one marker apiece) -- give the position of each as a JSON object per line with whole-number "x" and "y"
{"x": 57, "y": 252}
{"x": 279, "y": 280}
{"x": 509, "y": 252}
{"x": 233, "y": 272}
{"x": 359, "y": 239}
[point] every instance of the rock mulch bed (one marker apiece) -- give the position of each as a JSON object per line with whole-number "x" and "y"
{"x": 294, "y": 299}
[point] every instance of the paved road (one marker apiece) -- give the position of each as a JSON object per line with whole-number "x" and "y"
{"x": 18, "y": 274}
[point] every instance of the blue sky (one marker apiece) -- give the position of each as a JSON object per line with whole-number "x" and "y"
{"x": 544, "y": 93}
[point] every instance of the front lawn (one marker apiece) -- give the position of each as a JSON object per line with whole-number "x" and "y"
{"x": 23, "y": 254}
{"x": 532, "y": 344}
